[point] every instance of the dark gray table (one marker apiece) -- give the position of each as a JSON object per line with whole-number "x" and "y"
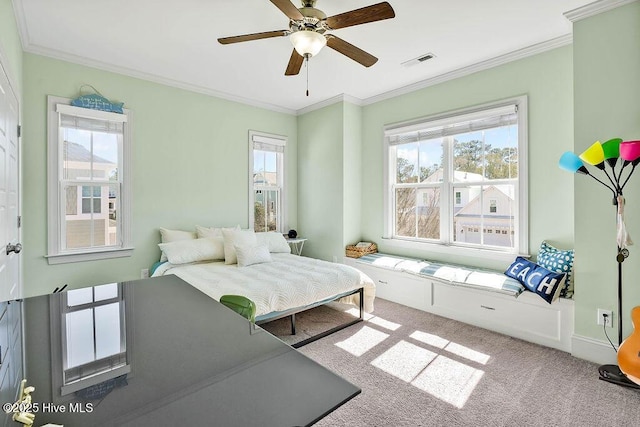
{"x": 193, "y": 362}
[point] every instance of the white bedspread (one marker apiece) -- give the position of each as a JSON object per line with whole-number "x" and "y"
{"x": 290, "y": 281}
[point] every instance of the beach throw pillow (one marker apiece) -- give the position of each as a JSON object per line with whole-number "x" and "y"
{"x": 560, "y": 261}
{"x": 536, "y": 278}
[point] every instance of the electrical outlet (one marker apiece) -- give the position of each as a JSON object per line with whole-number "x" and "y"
{"x": 608, "y": 321}
{"x": 144, "y": 273}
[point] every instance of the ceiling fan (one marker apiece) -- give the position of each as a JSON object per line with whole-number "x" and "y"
{"x": 308, "y": 29}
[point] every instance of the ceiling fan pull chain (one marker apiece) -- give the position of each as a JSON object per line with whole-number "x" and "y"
{"x": 307, "y": 67}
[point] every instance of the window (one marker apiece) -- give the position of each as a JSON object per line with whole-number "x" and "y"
{"x": 92, "y": 345}
{"x": 266, "y": 181}
{"x": 448, "y": 174}
{"x": 89, "y": 191}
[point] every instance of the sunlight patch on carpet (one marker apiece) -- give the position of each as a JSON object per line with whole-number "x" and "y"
{"x": 430, "y": 339}
{"x": 467, "y": 353}
{"x": 362, "y": 341}
{"x": 448, "y": 380}
{"x": 450, "y": 346}
{"x": 384, "y": 323}
{"x": 404, "y": 360}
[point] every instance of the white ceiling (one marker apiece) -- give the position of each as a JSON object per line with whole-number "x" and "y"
{"x": 175, "y": 42}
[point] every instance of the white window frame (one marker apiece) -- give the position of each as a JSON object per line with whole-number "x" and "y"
{"x": 445, "y": 245}
{"x": 56, "y": 209}
{"x": 276, "y": 143}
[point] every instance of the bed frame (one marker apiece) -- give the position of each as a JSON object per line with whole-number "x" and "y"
{"x": 292, "y": 314}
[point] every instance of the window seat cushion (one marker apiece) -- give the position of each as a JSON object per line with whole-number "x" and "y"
{"x": 454, "y": 274}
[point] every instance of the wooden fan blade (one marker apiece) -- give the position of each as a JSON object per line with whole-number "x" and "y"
{"x": 351, "y": 51}
{"x": 254, "y": 36}
{"x": 288, "y": 9}
{"x": 376, "y": 12}
{"x": 295, "y": 63}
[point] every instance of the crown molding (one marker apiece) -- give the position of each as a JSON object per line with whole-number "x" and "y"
{"x": 154, "y": 78}
{"x": 595, "y": 8}
{"x": 330, "y": 101}
{"x": 535, "y": 49}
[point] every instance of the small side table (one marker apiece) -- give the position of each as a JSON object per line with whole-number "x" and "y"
{"x": 296, "y": 244}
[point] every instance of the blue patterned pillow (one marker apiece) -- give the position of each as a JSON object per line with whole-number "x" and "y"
{"x": 535, "y": 278}
{"x": 560, "y": 261}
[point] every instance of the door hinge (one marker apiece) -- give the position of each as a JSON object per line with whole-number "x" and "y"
{"x": 19, "y": 131}
{"x": 19, "y": 221}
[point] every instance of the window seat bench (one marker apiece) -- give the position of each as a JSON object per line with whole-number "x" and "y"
{"x": 476, "y": 296}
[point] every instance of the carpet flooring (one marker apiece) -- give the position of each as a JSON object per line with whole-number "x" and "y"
{"x": 419, "y": 369}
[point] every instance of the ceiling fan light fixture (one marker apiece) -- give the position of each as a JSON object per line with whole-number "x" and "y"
{"x": 307, "y": 43}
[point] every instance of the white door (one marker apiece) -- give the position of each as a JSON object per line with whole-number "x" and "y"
{"x": 10, "y": 287}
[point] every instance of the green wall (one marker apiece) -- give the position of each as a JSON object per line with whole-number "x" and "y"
{"x": 607, "y": 86}
{"x": 352, "y": 171}
{"x": 329, "y": 171}
{"x": 547, "y": 81}
{"x": 190, "y": 166}
{"x": 10, "y": 46}
{"x": 320, "y": 178}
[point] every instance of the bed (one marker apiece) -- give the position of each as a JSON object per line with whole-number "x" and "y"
{"x": 280, "y": 284}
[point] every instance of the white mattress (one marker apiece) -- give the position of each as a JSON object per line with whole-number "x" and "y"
{"x": 290, "y": 281}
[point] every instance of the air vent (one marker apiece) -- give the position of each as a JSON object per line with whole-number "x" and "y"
{"x": 419, "y": 59}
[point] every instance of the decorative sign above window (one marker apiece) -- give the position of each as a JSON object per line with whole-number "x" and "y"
{"x": 96, "y": 101}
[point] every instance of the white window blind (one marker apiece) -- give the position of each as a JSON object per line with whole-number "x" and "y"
{"x": 437, "y": 128}
{"x": 264, "y": 143}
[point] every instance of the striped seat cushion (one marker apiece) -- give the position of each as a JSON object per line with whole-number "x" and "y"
{"x": 460, "y": 275}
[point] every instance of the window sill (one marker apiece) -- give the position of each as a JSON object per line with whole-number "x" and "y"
{"x": 460, "y": 252}
{"x": 94, "y": 380}
{"x": 89, "y": 256}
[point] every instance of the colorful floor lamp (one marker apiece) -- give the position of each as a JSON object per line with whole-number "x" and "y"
{"x": 600, "y": 155}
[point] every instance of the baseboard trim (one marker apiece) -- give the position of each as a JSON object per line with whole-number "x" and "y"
{"x": 593, "y": 350}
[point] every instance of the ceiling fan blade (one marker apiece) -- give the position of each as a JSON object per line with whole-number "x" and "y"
{"x": 288, "y": 9}
{"x": 254, "y": 36}
{"x": 376, "y": 12}
{"x": 351, "y": 51}
{"x": 295, "y": 63}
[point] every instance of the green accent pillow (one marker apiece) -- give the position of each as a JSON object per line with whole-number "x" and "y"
{"x": 559, "y": 261}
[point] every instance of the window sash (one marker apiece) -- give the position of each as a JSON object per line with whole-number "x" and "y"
{"x": 506, "y": 114}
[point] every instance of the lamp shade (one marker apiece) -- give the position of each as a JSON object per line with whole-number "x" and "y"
{"x": 630, "y": 150}
{"x": 572, "y": 163}
{"x": 594, "y": 155}
{"x": 307, "y": 42}
{"x": 611, "y": 150}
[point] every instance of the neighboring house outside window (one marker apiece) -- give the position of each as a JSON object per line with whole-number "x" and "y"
{"x": 89, "y": 190}
{"x": 266, "y": 181}
{"x": 459, "y": 180}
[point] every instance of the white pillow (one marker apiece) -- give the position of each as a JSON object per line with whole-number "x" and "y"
{"x": 212, "y": 231}
{"x": 167, "y": 236}
{"x": 239, "y": 238}
{"x": 249, "y": 255}
{"x": 186, "y": 251}
{"x": 275, "y": 241}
